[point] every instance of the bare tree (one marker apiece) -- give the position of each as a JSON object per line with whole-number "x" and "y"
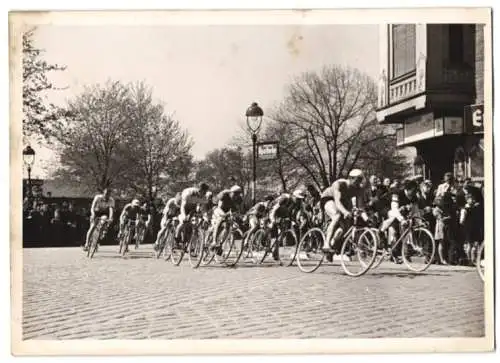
{"x": 329, "y": 118}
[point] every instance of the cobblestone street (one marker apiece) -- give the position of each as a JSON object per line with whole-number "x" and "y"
{"x": 67, "y": 296}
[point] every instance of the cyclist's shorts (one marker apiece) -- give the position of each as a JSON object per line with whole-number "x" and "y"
{"x": 101, "y": 212}
{"x": 323, "y": 201}
{"x": 189, "y": 209}
{"x": 171, "y": 215}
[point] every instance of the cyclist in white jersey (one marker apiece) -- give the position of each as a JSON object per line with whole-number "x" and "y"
{"x": 103, "y": 204}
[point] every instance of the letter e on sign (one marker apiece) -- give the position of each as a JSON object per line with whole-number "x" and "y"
{"x": 477, "y": 117}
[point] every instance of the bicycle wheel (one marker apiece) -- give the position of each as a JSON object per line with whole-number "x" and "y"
{"x": 139, "y": 237}
{"x": 288, "y": 246}
{"x": 195, "y": 249}
{"x": 225, "y": 242}
{"x": 480, "y": 261}
{"x": 261, "y": 246}
{"x": 237, "y": 238}
{"x": 127, "y": 236}
{"x": 161, "y": 245}
{"x": 248, "y": 252}
{"x": 169, "y": 240}
{"x": 310, "y": 250}
{"x": 381, "y": 253}
{"x": 418, "y": 249}
{"x": 208, "y": 254}
{"x": 93, "y": 243}
{"x": 359, "y": 252}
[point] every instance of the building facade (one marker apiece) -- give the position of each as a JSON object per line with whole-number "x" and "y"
{"x": 431, "y": 86}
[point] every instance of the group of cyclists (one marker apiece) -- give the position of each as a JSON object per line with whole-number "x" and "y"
{"x": 333, "y": 207}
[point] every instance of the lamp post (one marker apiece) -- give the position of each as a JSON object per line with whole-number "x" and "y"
{"x": 29, "y": 160}
{"x": 254, "y": 121}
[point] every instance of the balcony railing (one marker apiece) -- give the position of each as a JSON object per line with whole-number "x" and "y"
{"x": 400, "y": 90}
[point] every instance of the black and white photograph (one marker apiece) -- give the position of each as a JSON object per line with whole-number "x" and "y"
{"x": 254, "y": 177}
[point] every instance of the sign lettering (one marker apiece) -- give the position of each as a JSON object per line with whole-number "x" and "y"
{"x": 474, "y": 119}
{"x": 267, "y": 151}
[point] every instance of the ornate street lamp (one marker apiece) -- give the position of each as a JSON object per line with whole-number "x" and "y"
{"x": 254, "y": 121}
{"x": 29, "y": 160}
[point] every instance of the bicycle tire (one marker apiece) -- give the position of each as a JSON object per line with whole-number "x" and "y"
{"x": 290, "y": 233}
{"x": 167, "y": 248}
{"x": 237, "y": 247}
{"x": 208, "y": 254}
{"x": 195, "y": 245}
{"x": 126, "y": 241}
{"x": 428, "y": 260}
{"x": 313, "y": 240}
{"x": 176, "y": 260}
{"x": 263, "y": 241}
{"x": 93, "y": 243}
{"x": 161, "y": 247}
{"x": 226, "y": 241}
{"x": 479, "y": 268}
{"x": 381, "y": 255}
{"x": 356, "y": 244}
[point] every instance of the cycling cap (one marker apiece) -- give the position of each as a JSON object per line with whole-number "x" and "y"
{"x": 208, "y": 194}
{"x": 356, "y": 173}
{"x": 235, "y": 189}
{"x": 136, "y": 203}
{"x": 299, "y": 193}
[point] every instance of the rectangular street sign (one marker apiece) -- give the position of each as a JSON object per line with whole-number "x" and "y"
{"x": 268, "y": 150}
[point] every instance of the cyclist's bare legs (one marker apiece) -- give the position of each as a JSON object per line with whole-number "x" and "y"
{"x": 89, "y": 233}
{"x": 335, "y": 217}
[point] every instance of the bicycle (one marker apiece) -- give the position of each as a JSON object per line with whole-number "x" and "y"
{"x": 165, "y": 242}
{"x": 230, "y": 232}
{"x": 191, "y": 237}
{"x": 126, "y": 236}
{"x": 98, "y": 235}
{"x": 140, "y": 233}
{"x": 356, "y": 240}
{"x": 285, "y": 241}
{"x": 413, "y": 249}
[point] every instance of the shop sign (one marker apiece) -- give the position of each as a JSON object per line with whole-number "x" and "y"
{"x": 474, "y": 119}
{"x": 419, "y": 128}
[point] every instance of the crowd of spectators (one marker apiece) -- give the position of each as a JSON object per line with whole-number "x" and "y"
{"x": 58, "y": 222}
{"x": 454, "y": 210}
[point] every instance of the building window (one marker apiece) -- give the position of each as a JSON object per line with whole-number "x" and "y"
{"x": 456, "y": 43}
{"x": 403, "y": 49}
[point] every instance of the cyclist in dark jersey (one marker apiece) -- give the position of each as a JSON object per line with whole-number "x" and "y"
{"x": 257, "y": 213}
{"x": 131, "y": 212}
{"x": 404, "y": 204}
{"x": 290, "y": 206}
{"x": 229, "y": 201}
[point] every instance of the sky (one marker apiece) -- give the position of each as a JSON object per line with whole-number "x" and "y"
{"x": 206, "y": 75}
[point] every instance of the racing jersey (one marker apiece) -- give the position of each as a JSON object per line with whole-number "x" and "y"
{"x": 144, "y": 213}
{"x": 226, "y": 202}
{"x": 404, "y": 200}
{"x": 100, "y": 204}
{"x": 285, "y": 206}
{"x": 191, "y": 196}
{"x": 171, "y": 208}
{"x": 259, "y": 210}
{"x": 130, "y": 212}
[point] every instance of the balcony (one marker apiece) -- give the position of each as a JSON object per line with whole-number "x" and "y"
{"x": 404, "y": 88}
